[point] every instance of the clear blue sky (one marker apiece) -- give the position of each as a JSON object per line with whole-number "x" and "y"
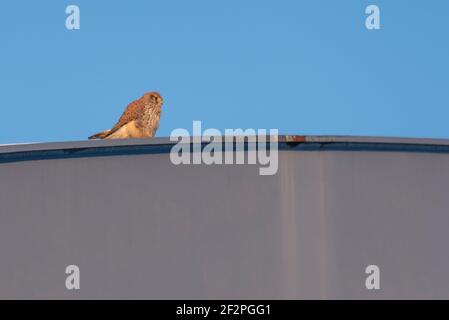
{"x": 304, "y": 67}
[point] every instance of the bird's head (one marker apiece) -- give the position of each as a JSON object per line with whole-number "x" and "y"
{"x": 153, "y": 98}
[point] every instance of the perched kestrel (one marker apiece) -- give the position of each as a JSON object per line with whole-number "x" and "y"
{"x": 139, "y": 120}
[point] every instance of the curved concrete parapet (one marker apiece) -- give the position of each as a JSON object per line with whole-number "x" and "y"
{"x": 140, "y": 227}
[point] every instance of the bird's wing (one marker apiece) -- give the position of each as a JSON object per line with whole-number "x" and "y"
{"x": 132, "y": 112}
{"x": 129, "y": 130}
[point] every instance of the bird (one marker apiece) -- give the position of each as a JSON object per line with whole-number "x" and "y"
{"x": 139, "y": 120}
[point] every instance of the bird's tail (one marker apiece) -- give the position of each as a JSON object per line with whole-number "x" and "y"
{"x": 100, "y": 135}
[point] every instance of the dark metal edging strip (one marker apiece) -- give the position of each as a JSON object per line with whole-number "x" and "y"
{"x": 122, "y": 150}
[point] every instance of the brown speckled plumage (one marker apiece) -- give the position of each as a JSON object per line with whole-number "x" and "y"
{"x": 139, "y": 120}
